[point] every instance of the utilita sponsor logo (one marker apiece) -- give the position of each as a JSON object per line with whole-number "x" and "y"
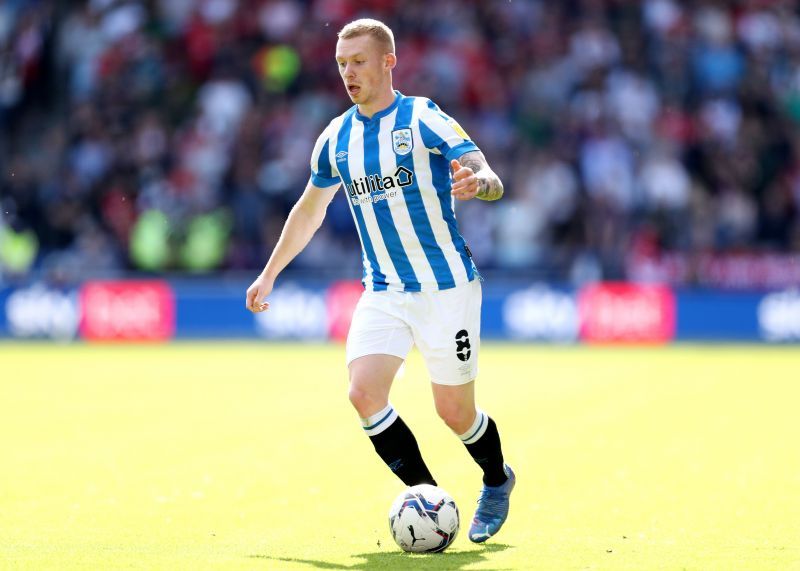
{"x": 611, "y": 312}
{"x": 541, "y": 313}
{"x": 127, "y": 311}
{"x": 374, "y": 188}
{"x": 779, "y": 316}
{"x": 294, "y": 313}
{"x": 39, "y": 311}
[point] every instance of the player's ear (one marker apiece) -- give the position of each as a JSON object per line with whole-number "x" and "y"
{"x": 389, "y": 60}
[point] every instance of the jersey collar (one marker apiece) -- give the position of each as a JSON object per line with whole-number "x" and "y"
{"x": 382, "y": 113}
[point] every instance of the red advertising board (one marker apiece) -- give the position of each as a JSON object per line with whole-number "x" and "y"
{"x": 341, "y": 299}
{"x": 127, "y": 311}
{"x": 624, "y": 312}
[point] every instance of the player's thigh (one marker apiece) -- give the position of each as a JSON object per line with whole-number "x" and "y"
{"x": 377, "y": 343}
{"x": 371, "y": 379}
{"x": 377, "y": 329}
{"x": 446, "y": 328}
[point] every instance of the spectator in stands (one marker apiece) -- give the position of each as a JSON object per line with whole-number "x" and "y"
{"x": 613, "y": 125}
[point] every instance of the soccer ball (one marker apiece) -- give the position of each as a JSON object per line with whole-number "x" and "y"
{"x": 424, "y": 519}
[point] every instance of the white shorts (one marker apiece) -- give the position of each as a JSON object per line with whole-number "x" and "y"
{"x": 445, "y": 325}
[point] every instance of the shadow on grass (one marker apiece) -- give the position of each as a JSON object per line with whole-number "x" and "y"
{"x": 391, "y": 559}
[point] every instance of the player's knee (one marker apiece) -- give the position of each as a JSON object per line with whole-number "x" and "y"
{"x": 363, "y": 401}
{"x": 455, "y": 415}
{"x": 358, "y": 397}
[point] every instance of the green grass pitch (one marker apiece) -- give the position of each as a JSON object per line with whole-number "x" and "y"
{"x": 248, "y": 456}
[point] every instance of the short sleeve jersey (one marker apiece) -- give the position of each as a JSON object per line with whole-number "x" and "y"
{"x": 395, "y": 167}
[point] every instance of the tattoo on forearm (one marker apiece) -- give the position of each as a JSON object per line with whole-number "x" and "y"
{"x": 489, "y": 188}
{"x": 489, "y": 185}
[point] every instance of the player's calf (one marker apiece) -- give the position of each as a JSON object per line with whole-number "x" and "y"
{"x": 482, "y": 440}
{"x": 395, "y": 444}
{"x": 483, "y": 443}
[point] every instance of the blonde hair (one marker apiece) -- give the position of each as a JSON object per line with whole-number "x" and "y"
{"x": 376, "y": 29}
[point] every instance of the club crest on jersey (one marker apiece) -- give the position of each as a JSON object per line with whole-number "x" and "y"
{"x": 402, "y": 141}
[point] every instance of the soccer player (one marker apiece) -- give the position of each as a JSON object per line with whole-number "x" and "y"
{"x": 402, "y": 162}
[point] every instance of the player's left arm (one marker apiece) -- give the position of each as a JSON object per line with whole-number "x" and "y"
{"x": 474, "y": 178}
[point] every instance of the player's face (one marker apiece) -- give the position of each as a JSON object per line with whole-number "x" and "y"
{"x": 364, "y": 67}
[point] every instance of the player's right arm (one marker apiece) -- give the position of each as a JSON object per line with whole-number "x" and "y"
{"x": 304, "y": 220}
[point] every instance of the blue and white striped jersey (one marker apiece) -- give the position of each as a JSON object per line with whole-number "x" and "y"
{"x": 395, "y": 167}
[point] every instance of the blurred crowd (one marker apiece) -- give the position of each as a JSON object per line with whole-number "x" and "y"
{"x": 174, "y": 135}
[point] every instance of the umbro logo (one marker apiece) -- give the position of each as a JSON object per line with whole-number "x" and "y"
{"x": 341, "y": 156}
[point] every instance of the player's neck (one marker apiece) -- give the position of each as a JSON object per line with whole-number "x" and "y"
{"x": 380, "y": 103}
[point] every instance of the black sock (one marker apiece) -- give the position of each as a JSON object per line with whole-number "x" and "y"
{"x": 397, "y": 447}
{"x": 486, "y": 451}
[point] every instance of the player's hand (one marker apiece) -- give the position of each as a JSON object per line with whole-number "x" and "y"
{"x": 256, "y": 293}
{"x": 465, "y": 184}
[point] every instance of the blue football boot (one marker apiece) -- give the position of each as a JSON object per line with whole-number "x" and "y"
{"x": 492, "y": 508}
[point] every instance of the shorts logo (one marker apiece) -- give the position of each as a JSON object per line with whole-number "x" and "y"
{"x": 462, "y": 345}
{"x": 402, "y": 141}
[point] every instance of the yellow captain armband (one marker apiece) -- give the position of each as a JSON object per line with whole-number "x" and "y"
{"x": 458, "y": 129}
